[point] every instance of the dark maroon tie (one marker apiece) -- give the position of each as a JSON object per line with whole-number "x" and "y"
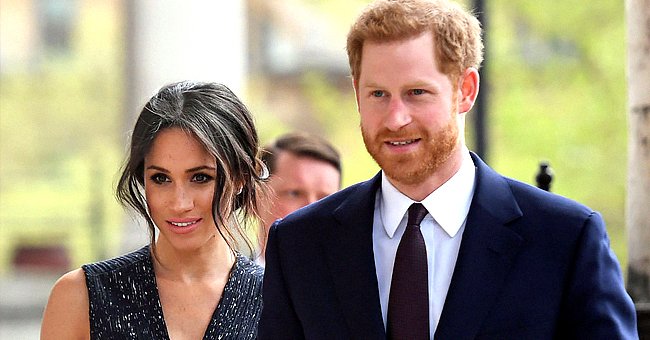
{"x": 408, "y": 303}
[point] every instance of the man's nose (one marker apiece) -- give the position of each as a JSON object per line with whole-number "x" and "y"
{"x": 398, "y": 114}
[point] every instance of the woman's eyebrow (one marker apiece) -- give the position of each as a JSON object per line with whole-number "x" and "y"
{"x": 202, "y": 167}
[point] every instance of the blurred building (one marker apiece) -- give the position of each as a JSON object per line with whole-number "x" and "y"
{"x": 31, "y": 30}
{"x": 73, "y": 77}
{"x": 118, "y": 53}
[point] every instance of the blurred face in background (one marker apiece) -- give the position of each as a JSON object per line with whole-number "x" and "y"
{"x": 296, "y": 182}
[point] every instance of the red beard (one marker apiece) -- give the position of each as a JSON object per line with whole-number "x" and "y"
{"x": 414, "y": 167}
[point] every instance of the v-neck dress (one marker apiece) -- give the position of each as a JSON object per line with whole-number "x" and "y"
{"x": 124, "y": 300}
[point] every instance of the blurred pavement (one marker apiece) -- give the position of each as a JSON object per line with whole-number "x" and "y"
{"x": 23, "y": 296}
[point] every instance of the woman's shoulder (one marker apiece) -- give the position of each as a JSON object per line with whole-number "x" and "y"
{"x": 71, "y": 281}
{"x": 247, "y": 268}
{"x": 67, "y": 305}
{"x": 117, "y": 263}
{"x": 69, "y": 290}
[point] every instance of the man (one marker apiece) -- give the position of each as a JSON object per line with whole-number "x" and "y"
{"x": 303, "y": 169}
{"x": 493, "y": 258}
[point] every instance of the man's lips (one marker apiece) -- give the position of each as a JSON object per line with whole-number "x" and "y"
{"x": 402, "y": 142}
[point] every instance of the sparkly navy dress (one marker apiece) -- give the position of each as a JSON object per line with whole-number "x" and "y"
{"x": 124, "y": 301}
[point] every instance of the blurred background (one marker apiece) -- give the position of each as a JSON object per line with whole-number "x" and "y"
{"x": 75, "y": 73}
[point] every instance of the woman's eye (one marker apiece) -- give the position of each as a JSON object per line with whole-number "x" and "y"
{"x": 201, "y": 178}
{"x": 159, "y": 178}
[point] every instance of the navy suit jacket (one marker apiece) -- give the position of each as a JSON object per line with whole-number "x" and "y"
{"x": 531, "y": 265}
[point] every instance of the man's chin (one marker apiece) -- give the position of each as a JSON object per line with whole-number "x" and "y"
{"x": 407, "y": 177}
{"x": 406, "y": 170}
{"x": 411, "y": 169}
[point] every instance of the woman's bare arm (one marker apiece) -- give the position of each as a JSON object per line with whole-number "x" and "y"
{"x": 66, "y": 314}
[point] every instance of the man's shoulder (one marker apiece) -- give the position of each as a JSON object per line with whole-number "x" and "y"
{"x": 531, "y": 198}
{"x": 494, "y": 188}
{"x": 544, "y": 215}
{"x": 126, "y": 262}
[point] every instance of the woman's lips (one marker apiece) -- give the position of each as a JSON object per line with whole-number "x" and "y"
{"x": 183, "y": 226}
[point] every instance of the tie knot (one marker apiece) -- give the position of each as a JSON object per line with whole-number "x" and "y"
{"x": 416, "y": 214}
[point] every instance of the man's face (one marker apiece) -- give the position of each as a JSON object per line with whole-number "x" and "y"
{"x": 408, "y": 110}
{"x": 296, "y": 182}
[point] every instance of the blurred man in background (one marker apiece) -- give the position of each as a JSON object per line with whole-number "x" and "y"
{"x": 303, "y": 169}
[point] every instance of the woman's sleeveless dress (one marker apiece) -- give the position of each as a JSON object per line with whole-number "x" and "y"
{"x": 124, "y": 300}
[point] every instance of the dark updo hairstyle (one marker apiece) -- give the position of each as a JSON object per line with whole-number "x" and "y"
{"x": 219, "y": 120}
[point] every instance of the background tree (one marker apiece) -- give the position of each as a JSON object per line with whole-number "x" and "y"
{"x": 557, "y": 93}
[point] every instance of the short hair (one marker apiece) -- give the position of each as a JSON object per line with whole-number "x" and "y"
{"x": 456, "y": 32}
{"x": 223, "y": 125}
{"x": 301, "y": 144}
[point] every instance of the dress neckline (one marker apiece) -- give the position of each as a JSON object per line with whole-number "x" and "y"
{"x": 215, "y": 312}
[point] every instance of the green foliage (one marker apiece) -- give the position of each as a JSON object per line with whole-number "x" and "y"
{"x": 336, "y": 113}
{"x": 267, "y": 120}
{"x": 332, "y": 115}
{"x": 558, "y": 93}
{"x": 73, "y": 207}
{"x": 339, "y": 11}
{"x": 60, "y": 147}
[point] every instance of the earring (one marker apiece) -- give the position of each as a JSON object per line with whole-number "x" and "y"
{"x": 265, "y": 172}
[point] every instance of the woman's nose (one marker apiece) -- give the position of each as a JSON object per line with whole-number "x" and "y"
{"x": 182, "y": 200}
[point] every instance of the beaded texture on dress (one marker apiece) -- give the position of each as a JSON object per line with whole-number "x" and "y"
{"x": 124, "y": 300}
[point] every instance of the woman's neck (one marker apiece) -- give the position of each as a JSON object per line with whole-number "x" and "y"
{"x": 214, "y": 258}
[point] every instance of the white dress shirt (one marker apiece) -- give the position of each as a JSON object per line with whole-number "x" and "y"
{"x": 442, "y": 230}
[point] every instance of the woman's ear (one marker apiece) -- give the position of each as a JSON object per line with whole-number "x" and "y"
{"x": 468, "y": 89}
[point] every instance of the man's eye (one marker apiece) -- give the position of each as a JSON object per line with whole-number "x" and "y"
{"x": 201, "y": 178}
{"x": 377, "y": 93}
{"x": 417, "y": 92}
{"x": 159, "y": 178}
{"x": 292, "y": 193}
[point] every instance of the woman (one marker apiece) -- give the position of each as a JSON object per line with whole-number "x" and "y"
{"x": 194, "y": 174}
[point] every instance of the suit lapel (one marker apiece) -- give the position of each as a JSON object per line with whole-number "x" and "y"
{"x": 487, "y": 251}
{"x": 350, "y": 257}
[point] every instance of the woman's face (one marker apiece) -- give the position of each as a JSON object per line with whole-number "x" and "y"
{"x": 179, "y": 182}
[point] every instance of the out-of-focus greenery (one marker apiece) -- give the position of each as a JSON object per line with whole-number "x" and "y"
{"x": 60, "y": 145}
{"x": 557, "y": 92}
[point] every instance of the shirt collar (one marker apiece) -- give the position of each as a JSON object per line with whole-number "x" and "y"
{"x": 448, "y": 205}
